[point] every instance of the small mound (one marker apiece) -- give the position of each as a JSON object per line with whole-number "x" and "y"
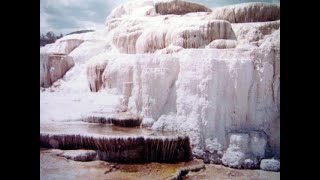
{"x": 223, "y": 44}
{"x": 79, "y": 155}
{"x": 270, "y": 165}
{"x": 179, "y": 7}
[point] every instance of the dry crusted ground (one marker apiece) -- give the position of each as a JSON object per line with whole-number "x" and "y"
{"x": 223, "y": 173}
{"x": 53, "y": 166}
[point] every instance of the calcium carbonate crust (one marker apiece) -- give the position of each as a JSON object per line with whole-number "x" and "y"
{"x": 214, "y": 76}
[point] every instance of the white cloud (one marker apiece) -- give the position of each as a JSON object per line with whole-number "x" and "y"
{"x": 62, "y": 3}
{"x": 90, "y": 13}
{"x": 89, "y": 25}
{"x": 44, "y": 24}
{"x": 65, "y": 16}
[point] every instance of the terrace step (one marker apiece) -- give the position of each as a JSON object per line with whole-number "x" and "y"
{"x": 118, "y": 119}
{"x": 117, "y": 144}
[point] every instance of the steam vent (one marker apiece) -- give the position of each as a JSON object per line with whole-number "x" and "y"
{"x": 166, "y": 88}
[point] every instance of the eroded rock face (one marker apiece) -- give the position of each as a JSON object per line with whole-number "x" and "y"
{"x": 153, "y": 82}
{"x": 179, "y": 7}
{"x": 248, "y": 12}
{"x": 226, "y": 90}
{"x": 250, "y": 33}
{"x": 187, "y": 36}
{"x": 245, "y": 149}
{"x": 118, "y": 71}
{"x": 94, "y": 72}
{"x": 53, "y": 67}
{"x": 217, "y": 86}
{"x": 146, "y": 35}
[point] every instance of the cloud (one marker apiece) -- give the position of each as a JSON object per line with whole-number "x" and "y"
{"x": 65, "y": 16}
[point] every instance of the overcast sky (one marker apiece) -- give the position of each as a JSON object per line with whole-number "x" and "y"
{"x": 65, "y": 16}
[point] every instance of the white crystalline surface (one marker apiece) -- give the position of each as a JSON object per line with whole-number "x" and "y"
{"x": 160, "y": 67}
{"x": 270, "y": 165}
{"x": 60, "y": 107}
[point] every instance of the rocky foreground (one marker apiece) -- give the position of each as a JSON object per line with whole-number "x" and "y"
{"x": 210, "y": 74}
{"x": 80, "y": 164}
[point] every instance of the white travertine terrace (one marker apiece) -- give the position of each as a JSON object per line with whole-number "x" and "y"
{"x": 214, "y": 76}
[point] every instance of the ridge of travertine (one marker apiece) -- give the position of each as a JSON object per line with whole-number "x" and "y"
{"x": 201, "y": 73}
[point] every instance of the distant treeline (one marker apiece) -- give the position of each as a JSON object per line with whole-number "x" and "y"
{"x": 50, "y": 37}
{"x": 82, "y": 31}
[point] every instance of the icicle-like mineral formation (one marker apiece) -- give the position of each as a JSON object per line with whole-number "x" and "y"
{"x": 214, "y": 76}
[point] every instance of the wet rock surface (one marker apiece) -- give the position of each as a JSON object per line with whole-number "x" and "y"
{"x": 118, "y": 119}
{"x": 117, "y": 144}
{"x": 220, "y": 172}
{"x": 53, "y": 166}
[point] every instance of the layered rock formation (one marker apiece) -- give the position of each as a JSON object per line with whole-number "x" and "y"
{"x": 179, "y": 7}
{"x": 115, "y": 144}
{"x": 142, "y": 35}
{"x": 248, "y": 12}
{"x": 53, "y": 67}
{"x": 214, "y": 76}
